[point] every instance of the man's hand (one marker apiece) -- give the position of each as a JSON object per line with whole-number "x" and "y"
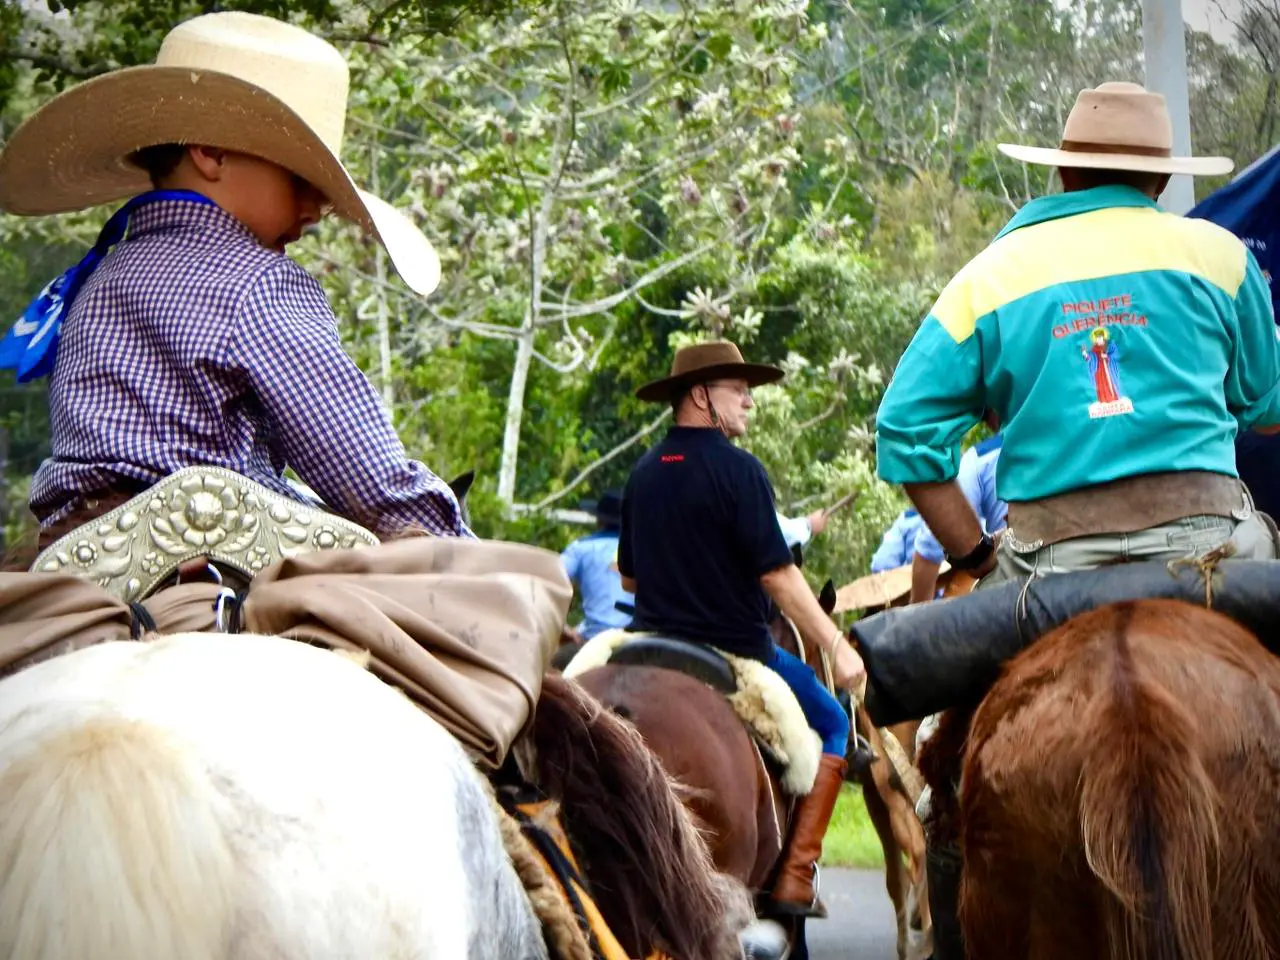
{"x": 818, "y": 521}
{"x": 849, "y": 670}
{"x": 789, "y": 590}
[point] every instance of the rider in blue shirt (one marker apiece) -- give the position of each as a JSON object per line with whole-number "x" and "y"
{"x": 899, "y": 542}
{"x": 591, "y": 563}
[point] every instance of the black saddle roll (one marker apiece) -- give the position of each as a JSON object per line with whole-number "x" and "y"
{"x": 927, "y": 658}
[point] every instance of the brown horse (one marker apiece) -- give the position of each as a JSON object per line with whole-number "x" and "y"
{"x": 645, "y": 862}
{"x": 1119, "y": 793}
{"x": 732, "y": 790}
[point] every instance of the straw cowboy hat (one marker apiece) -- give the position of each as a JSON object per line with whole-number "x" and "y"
{"x": 1119, "y": 126}
{"x": 236, "y": 81}
{"x": 701, "y": 362}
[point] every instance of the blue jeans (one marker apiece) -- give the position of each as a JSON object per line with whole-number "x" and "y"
{"x": 821, "y": 709}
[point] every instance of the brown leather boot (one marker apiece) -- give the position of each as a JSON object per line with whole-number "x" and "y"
{"x": 793, "y": 893}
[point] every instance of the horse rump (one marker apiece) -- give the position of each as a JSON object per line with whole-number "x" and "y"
{"x": 1123, "y": 772}
{"x": 112, "y": 844}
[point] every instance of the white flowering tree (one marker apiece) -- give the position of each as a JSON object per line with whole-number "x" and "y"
{"x": 567, "y": 163}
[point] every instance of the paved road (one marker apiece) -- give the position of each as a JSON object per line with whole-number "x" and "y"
{"x": 860, "y": 925}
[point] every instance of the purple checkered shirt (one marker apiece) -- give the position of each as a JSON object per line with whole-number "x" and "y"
{"x": 192, "y": 344}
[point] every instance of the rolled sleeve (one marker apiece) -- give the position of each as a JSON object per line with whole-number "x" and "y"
{"x": 795, "y": 530}
{"x": 892, "y": 551}
{"x": 327, "y": 418}
{"x": 1253, "y": 381}
{"x": 935, "y": 396}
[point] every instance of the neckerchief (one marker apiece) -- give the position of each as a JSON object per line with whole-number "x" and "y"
{"x": 31, "y": 345}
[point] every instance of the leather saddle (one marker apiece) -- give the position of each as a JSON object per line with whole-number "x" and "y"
{"x": 703, "y": 663}
{"x": 692, "y": 659}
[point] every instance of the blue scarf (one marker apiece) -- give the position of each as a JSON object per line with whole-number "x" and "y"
{"x": 31, "y": 345}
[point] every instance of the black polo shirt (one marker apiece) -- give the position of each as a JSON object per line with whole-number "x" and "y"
{"x": 699, "y": 528}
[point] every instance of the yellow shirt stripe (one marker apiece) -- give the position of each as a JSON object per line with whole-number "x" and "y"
{"x": 1107, "y": 242}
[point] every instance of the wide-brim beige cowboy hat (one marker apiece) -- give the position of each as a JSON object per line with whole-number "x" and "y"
{"x": 702, "y": 362}
{"x": 235, "y": 81}
{"x": 1119, "y": 126}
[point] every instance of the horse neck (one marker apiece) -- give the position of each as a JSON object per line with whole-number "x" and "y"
{"x": 786, "y": 636}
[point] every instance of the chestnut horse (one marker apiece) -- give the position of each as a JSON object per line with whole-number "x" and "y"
{"x": 1119, "y": 793}
{"x": 704, "y": 745}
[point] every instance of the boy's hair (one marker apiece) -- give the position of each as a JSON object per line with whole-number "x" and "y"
{"x": 159, "y": 161}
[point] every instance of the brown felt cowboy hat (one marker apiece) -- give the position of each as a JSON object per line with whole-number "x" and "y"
{"x": 236, "y": 81}
{"x": 702, "y": 362}
{"x": 1119, "y": 126}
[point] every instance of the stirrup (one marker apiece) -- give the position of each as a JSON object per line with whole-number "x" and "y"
{"x": 862, "y": 755}
{"x": 197, "y": 512}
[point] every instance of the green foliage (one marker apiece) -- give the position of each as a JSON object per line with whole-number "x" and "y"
{"x": 851, "y": 839}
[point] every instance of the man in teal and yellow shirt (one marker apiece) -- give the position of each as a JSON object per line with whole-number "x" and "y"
{"x": 1121, "y": 348}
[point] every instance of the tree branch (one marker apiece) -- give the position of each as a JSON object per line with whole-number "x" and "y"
{"x": 824, "y": 415}
{"x": 599, "y": 462}
{"x": 608, "y": 303}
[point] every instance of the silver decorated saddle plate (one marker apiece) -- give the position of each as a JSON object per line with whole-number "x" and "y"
{"x": 196, "y": 512}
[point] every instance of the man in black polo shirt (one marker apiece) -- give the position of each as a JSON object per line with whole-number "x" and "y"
{"x": 702, "y": 551}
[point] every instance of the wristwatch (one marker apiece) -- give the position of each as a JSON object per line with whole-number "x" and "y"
{"x": 975, "y": 557}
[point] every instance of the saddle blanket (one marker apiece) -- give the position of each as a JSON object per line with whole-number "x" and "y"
{"x": 763, "y": 702}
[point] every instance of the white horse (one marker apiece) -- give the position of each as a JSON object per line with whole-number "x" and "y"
{"x": 210, "y": 797}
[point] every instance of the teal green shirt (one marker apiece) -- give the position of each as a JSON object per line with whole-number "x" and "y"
{"x": 1111, "y": 338}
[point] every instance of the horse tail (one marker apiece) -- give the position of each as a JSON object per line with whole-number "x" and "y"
{"x": 1149, "y": 814}
{"x": 111, "y": 845}
{"x": 638, "y": 846}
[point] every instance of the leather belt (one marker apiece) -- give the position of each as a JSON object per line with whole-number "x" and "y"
{"x": 1128, "y": 505}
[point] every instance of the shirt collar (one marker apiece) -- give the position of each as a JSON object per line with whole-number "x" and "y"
{"x": 186, "y": 217}
{"x": 1078, "y": 201}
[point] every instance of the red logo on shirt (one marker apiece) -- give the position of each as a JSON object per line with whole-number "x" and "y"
{"x": 673, "y": 458}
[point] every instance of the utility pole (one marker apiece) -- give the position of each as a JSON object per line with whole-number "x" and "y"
{"x": 1164, "y": 51}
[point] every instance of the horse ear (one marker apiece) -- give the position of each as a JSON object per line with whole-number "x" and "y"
{"x": 797, "y": 555}
{"x": 461, "y": 484}
{"x": 827, "y": 598}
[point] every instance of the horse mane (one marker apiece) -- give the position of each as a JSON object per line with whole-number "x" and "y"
{"x": 640, "y": 851}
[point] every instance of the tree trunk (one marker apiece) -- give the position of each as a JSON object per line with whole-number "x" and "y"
{"x": 524, "y": 345}
{"x": 384, "y": 315}
{"x": 515, "y": 413}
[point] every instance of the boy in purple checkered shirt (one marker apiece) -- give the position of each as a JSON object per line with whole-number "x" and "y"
{"x": 188, "y": 337}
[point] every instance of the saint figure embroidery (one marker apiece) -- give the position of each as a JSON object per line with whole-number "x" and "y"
{"x": 1100, "y": 355}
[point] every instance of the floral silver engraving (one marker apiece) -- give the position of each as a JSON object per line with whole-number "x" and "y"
{"x": 196, "y": 512}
